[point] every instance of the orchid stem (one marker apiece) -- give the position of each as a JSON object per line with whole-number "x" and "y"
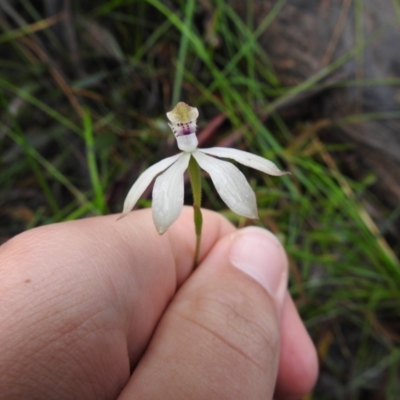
{"x": 195, "y": 180}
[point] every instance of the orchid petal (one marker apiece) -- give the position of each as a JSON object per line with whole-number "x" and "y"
{"x": 168, "y": 194}
{"x": 245, "y": 158}
{"x": 144, "y": 180}
{"x": 230, "y": 183}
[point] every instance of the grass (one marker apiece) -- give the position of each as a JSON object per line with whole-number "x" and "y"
{"x": 83, "y": 114}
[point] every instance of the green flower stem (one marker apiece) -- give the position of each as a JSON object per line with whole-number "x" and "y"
{"x": 195, "y": 180}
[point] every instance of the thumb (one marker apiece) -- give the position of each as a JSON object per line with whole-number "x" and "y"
{"x": 219, "y": 338}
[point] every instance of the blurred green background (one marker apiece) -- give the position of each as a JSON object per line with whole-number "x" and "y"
{"x": 84, "y": 87}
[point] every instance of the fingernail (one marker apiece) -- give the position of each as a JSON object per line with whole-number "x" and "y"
{"x": 259, "y": 254}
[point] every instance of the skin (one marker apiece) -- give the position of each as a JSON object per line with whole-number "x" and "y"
{"x": 100, "y": 309}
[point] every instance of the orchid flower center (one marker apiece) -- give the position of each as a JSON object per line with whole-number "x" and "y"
{"x": 183, "y": 123}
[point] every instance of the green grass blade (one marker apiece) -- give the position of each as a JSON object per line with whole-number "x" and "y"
{"x": 176, "y": 93}
{"x": 99, "y": 200}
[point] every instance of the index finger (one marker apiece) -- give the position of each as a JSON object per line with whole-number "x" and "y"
{"x": 123, "y": 270}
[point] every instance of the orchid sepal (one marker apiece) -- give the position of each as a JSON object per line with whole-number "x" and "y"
{"x": 230, "y": 183}
{"x": 144, "y": 181}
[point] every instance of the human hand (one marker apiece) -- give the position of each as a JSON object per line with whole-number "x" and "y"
{"x": 99, "y": 309}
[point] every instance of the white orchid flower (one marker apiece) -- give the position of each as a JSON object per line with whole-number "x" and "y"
{"x": 168, "y": 189}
